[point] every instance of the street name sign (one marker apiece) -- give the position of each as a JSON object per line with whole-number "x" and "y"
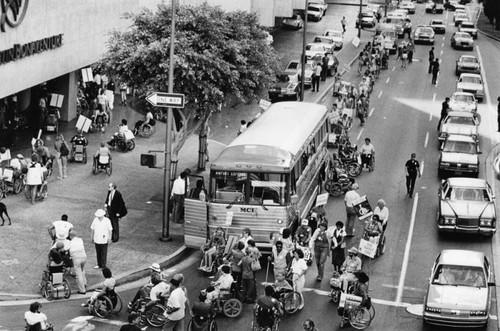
{"x": 161, "y": 99}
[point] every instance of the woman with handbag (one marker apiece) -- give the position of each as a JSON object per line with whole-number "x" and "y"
{"x": 298, "y": 270}
{"x": 62, "y": 152}
{"x": 338, "y": 246}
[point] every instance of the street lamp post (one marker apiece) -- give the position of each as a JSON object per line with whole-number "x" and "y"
{"x": 165, "y": 233}
{"x": 303, "y": 58}
{"x": 360, "y": 18}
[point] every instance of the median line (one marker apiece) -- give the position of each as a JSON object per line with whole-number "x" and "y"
{"x": 426, "y": 139}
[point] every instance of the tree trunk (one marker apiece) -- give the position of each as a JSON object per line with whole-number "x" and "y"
{"x": 203, "y": 145}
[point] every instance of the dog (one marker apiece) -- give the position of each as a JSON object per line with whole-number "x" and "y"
{"x": 3, "y": 210}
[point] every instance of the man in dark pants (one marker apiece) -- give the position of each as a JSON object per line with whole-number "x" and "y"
{"x": 115, "y": 206}
{"x": 431, "y": 59}
{"x": 498, "y": 111}
{"x": 324, "y": 67}
{"x": 412, "y": 170}
{"x": 101, "y": 236}
{"x": 435, "y": 71}
{"x": 445, "y": 108}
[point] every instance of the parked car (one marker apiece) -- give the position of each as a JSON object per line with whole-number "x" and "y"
{"x": 466, "y": 205}
{"x": 462, "y": 40}
{"x": 377, "y": 10}
{"x": 469, "y": 27}
{"x": 399, "y": 23}
{"x": 453, "y": 5}
{"x": 314, "y": 12}
{"x": 460, "y": 289}
{"x": 496, "y": 166}
{"x": 460, "y": 17}
{"x": 408, "y": 5}
{"x": 315, "y": 50}
{"x": 386, "y": 33}
{"x": 434, "y": 8}
{"x": 321, "y": 4}
{"x": 294, "y": 22}
{"x": 327, "y": 42}
{"x": 463, "y": 101}
{"x": 438, "y": 26}
{"x": 294, "y": 67}
{"x": 336, "y": 37}
{"x": 424, "y": 34}
{"x": 467, "y": 63}
{"x": 471, "y": 83}
{"x": 459, "y": 156}
{"x": 368, "y": 19}
{"x": 458, "y": 122}
{"x": 286, "y": 86}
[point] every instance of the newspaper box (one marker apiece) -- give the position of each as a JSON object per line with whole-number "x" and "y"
{"x": 349, "y": 301}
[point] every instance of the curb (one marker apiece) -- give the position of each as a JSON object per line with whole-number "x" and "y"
{"x": 121, "y": 279}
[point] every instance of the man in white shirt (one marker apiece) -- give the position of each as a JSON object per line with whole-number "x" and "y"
{"x": 159, "y": 291}
{"x": 101, "y": 236}
{"x": 35, "y": 315}
{"x": 350, "y": 197}
{"x": 178, "y": 194}
{"x": 60, "y": 230}
{"x": 176, "y": 307}
{"x": 367, "y": 152}
{"x": 382, "y": 212}
{"x": 79, "y": 257}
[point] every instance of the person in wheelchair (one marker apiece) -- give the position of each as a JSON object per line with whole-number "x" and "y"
{"x": 79, "y": 139}
{"x": 268, "y": 309}
{"x": 122, "y": 128}
{"x": 100, "y": 117}
{"x": 221, "y": 288}
{"x": 212, "y": 248}
{"x": 19, "y": 165}
{"x": 145, "y": 290}
{"x": 44, "y": 156}
{"x": 360, "y": 288}
{"x": 147, "y": 120}
{"x": 102, "y": 155}
{"x": 160, "y": 291}
{"x": 35, "y": 319}
{"x": 108, "y": 288}
{"x": 303, "y": 233}
{"x": 373, "y": 229}
{"x": 281, "y": 285}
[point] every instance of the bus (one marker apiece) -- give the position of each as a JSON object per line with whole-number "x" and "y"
{"x": 266, "y": 179}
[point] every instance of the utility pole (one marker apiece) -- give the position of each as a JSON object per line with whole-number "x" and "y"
{"x": 165, "y": 232}
{"x": 359, "y": 19}
{"x": 303, "y": 57}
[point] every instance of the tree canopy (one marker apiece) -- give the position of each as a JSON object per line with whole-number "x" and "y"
{"x": 217, "y": 54}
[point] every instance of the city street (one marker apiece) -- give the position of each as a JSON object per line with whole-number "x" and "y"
{"x": 404, "y": 113}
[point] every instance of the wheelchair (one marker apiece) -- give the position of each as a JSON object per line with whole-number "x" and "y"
{"x": 228, "y": 303}
{"x": 145, "y": 130}
{"x": 78, "y": 152}
{"x": 265, "y": 319}
{"x": 99, "y": 123}
{"x": 352, "y": 312}
{"x": 123, "y": 142}
{"x": 203, "y": 318}
{"x": 368, "y": 160}
{"x": 106, "y": 304}
{"x": 153, "y": 315}
{"x": 38, "y": 327}
{"x": 102, "y": 163}
{"x": 51, "y": 123}
{"x": 290, "y": 300}
{"x": 54, "y": 282}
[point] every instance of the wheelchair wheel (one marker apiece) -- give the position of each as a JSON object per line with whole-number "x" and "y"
{"x": 335, "y": 190}
{"x": 18, "y": 186}
{"x": 102, "y": 307}
{"x": 48, "y": 291}
{"x": 109, "y": 169}
{"x": 232, "y": 308}
{"x": 154, "y": 316}
{"x": 328, "y": 184}
{"x": 118, "y": 306}
{"x": 131, "y": 144}
{"x": 360, "y": 318}
{"x": 292, "y": 302}
{"x": 354, "y": 169}
{"x": 381, "y": 246}
{"x": 67, "y": 289}
{"x": 121, "y": 146}
{"x": 85, "y": 157}
{"x": 213, "y": 325}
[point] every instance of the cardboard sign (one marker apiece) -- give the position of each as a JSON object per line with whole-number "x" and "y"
{"x": 83, "y": 123}
{"x": 356, "y": 41}
{"x": 8, "y": 174}
{"x": 322, "y": 199}
{"x": 367, "y": 248}
{"x": 363, "y": 208}
{"x": 264, "y": 104}
{"x": 5, "y": 156}
{"x": 129, "y": 135}
{"x": 229, "y": 218}
{"x": 87, "y": 75}
{"x": 349, "y": 301}
{"x": 56, "y": 100}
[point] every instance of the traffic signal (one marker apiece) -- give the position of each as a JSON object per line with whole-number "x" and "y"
{"x": 148, "y": 160}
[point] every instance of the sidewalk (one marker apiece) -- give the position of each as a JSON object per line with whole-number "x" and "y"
{"x": 26, "y": 243}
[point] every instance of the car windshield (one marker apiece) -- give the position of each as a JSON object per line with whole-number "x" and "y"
{"x": 425, "y": 30}
{"x": 293, "y": 65}
{"x": 293, "y": 18}
{"x": 323, "y": 40}
{"x": 462, "y": 98}
{"x": 463, "y": 35}
{"x": 313, "y": 9}
{"x": 436, "y": 22}
{"x": 468, "y": 25}
{"x": 283, "y": 78}
{"x": 470, "y": 79}
{"x": 457, "y": 275}
{"x": 335, "y": 34}
{"x": 314, "y": 48}
{"x": 469, "y": 60}
{"x": 460, "y": 120}
{"x": 460, "y": 147}
{"x": 468, "y": 194}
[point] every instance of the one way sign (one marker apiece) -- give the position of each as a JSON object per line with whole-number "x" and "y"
{"x": 160, "y": 99}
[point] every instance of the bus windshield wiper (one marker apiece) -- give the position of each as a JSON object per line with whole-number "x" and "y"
{"x": 232, "y": 202}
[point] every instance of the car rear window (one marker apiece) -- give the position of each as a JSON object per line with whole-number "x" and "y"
{"x": 459, "y": 276}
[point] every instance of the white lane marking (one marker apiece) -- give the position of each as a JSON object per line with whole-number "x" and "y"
{"x": 430, "y": 117}
{"x": 380, "y": 94}
{"x": 371, "y": 111}
{"x": 422, "y": 168}
{"x": 441, "y": 53}
{"x": 393, "y": 68}
{"x": 387, "y": 80}
{"x": 434, "y": 97}
{"x": 444, "y": 37}
{"x": 426, "y": 139}
{"x": 407, "y": 288}
{"x": 446, "y": 16}
{"x": 406, "y": 257}
{"x": 359, "y": 134}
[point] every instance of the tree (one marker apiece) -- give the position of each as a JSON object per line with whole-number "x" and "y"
{"x": 217, "y": 54}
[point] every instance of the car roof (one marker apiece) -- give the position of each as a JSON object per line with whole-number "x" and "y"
{"x": 460, "y": 113}
{"x": 461, "y": 257}
{"x": 462, "y": 93}
{"x": 468, "y": 56}
{"x": 468, "y": 182}
{"x": 465, "y": 74}
{"x": 460, "y": 137}
{"x": 467, "y": 22}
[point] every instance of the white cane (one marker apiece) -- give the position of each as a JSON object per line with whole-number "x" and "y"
{"x": 267, "y": 270}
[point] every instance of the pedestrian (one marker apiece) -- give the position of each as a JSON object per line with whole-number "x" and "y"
{"x": 116, "y": 209}
{"x": 279, "y": 258}
{"x": 382, "y": 212}
{"x": 498, "y": 112}
{"x": 101, "y": 237}
{"x": 79, "y": 258}
{"x": 324, "y": 67}
{"x": 411, "y": 50}
{"x": 350, "y": 197}
{"x": 123, "y": 93}
{"x": 35, "y": 316}
{"x": 134, "y": 321}
{"x": 236, "y": 254}
{"x": 344, "y": 23}
{"x": 60, "y": 230}
{"x": 176, "y": 307}
{"x": 338, "y": 245}
{"x": 412, "y": 169}
{"x": 298, "y": 270}
{"x": 320, "y": 248}
{"x": 431, "y": 59}
{"x": 62, "y": 152}
{"x": 110, "y": 93}
{"x": 249, "y": 292}
{"x": 435, "y": 71}
{"x": 309, "y": 325}
{"x": 445, "y": 108}
{"x": 404, "y": 56}
{"x": 316, "y": 77}
{"x": 34, "y": 177}
{"x": 178, "y": 195}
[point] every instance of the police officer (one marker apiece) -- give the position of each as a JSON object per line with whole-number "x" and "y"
{"x": 412, "y": 169}
{"x": 431, "y": 59}
{"x": 445, "y": 108}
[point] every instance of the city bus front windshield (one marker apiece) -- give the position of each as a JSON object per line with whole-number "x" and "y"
{"x": 249, "y": 188}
